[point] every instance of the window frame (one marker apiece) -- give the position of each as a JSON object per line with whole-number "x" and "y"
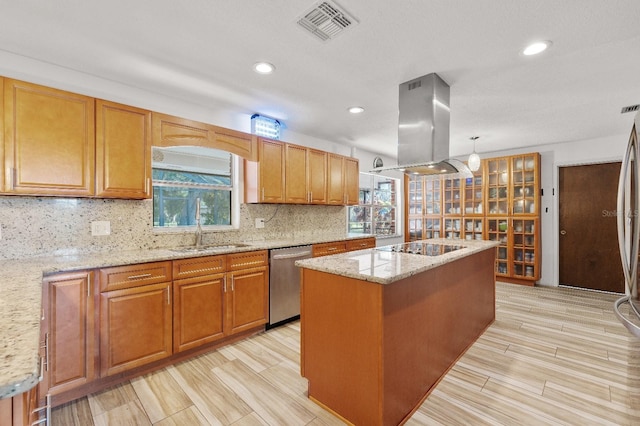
{"x": 235, "y": 203}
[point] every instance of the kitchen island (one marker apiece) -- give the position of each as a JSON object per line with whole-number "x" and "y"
{"x": 379, "y": 328}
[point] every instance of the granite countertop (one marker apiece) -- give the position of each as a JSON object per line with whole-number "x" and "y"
{"x": 385, "y": 267}
{"x": 21, "y": 299}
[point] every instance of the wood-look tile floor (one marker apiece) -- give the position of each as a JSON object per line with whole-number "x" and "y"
{"x": 554, "y": 356}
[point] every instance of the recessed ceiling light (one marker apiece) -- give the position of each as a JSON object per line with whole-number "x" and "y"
{"x": 263, "y": 67}
{"x": 355, "y": 110}
{"x": 535, "y": 48}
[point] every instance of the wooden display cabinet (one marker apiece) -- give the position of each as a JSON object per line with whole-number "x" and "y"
{"x": 525, "y": 249}
{"x": 452, "y": 197}
{"x": 473, "y": 194}
{"x": 498, "y": 230}
{"x": 497, "y": 181}
{"x": 473, "y": 228}
{"x": 453, "y": 227}
{"x": 524, "y": 188}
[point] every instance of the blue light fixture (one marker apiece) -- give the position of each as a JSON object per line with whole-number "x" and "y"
{"x": 265, "y": 126}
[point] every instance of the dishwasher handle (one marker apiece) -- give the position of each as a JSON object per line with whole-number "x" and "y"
{"x": 291, "y": 255}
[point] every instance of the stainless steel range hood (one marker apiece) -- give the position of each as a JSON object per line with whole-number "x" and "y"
{"x": 423, "y": 130}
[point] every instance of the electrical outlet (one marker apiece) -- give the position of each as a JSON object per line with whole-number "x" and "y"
{"x": 260, "y": 223}
{"x": 100, "y": 227}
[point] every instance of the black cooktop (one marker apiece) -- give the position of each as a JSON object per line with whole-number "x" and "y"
{"x": 422, "y": 248}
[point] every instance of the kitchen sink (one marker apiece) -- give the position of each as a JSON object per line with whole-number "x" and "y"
{"x": 210, "y": 247}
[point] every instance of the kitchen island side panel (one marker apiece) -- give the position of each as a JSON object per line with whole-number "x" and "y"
{"x": 341, "y": 344}
{"x": 430, "y": 319}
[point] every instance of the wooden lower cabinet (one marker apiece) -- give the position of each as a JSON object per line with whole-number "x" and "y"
{"x": 68, "y": 331}
{"x": 247, "y": 299}
{"x": 135, "y": 327}
{"x": 335, "y": 247}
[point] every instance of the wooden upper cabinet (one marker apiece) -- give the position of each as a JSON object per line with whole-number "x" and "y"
{"x": 175, "y": 131}
{"x": 243, "y": 144}
{"x": 264, "y": 179}
{"x": 351, "y": 180}
{"x": 49, "y": 141}
{"x": 335, "y": 179}
{"x": 123, "y": 151}
{"x": 296, "y": 188}
{"x": 317, "y": 173}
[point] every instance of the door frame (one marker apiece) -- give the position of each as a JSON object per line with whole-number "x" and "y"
{"x": 556, "y": 209}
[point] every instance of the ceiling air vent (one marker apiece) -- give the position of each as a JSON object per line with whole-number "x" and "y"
{"x": 631, "y": 108}
{"x": 326, "y": 20}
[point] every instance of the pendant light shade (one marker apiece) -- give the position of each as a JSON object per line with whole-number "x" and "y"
{"x": 474, "y": 159}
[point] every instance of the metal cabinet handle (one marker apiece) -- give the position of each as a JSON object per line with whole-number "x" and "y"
{"x": 563, "y": 232}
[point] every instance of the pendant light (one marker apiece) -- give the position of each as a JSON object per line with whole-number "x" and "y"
{"x": 474, "y": 159}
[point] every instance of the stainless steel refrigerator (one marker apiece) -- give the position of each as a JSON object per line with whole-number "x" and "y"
{"x": 628, "y": 222}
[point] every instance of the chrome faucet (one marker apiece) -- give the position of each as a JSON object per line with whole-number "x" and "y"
{"x": 198, "y": 226}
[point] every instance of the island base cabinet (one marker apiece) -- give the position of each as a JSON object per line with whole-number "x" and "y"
{"x": 372, "y": 353}
{"x": 135, "y": 327}
{"x": 22, "y": 410}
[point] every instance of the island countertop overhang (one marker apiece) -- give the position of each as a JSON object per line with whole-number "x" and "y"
{"x": 386, "y": 267}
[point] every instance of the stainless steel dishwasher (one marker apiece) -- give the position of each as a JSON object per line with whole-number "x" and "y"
{"x": 284, "y": 284}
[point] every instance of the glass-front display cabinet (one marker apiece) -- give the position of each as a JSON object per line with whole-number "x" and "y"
{"x": 524, "y": 184}
{"x": 497, "y": 186}
{"x": 498, "y": 230}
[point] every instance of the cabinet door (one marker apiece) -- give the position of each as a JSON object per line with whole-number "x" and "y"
{"x": 50, "y": 141}
{"x": 296, "y": 191}
{"x": 497, "y": 186}
{"x": 498, "y": 230}
{"x": 69, "y": 331}
{"x": 135, "y": 327}
{"x": 271, "y": 171}
{"x": 525, "y": 185}
{"x": 317, "y": 167}
{"x": 242, "y": 144}
{"x": 123, "y": 150}
{"x": 335, "y": 179}
{"x": 247, "y": 299}
{"x": 351, "y": 180}
{"x": 197, "y": 311}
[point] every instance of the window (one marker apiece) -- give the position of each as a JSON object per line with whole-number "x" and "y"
{"x": 377, "y": 212}
{"x": 184, "y": 175}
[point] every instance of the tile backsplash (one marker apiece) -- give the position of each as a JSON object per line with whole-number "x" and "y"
{"x": 41, "y": 226}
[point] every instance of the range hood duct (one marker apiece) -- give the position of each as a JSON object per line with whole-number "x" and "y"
{"x": 423, "y": 130}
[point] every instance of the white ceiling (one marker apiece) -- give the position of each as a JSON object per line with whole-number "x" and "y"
{"x": 202, "y": 51}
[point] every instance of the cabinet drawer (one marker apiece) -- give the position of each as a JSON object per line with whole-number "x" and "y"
{"x": 246, "y": 260}
{"x": 363, "y": 243}
{"x": 199, "y": 266}
{"x": 128, "y": 276}
{"x": 329, "y": 248}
